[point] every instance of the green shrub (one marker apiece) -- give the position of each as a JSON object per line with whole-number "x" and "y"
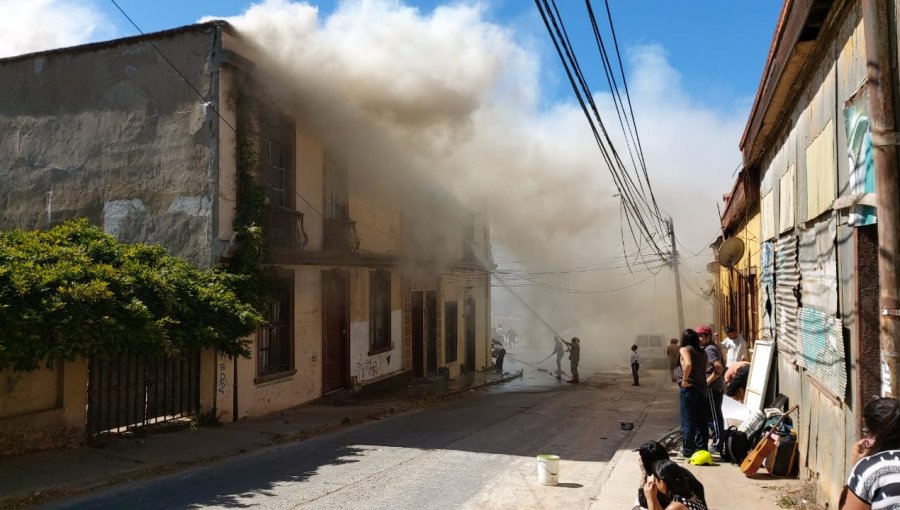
{"x": 75, "y": 291}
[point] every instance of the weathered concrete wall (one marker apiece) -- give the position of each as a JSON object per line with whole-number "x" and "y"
{"x": 112, "y": 133}
{"x": 56, "y": 418}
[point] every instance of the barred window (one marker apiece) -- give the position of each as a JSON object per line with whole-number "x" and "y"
{"x": 379, "y": 311}
{"x": 274, "y": 340}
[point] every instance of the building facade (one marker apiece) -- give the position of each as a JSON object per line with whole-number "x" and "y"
{"x": 109, "y": 131}
{"x": 807, "y": 139}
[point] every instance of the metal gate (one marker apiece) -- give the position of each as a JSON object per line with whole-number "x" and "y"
{"x": 135, "y": 391}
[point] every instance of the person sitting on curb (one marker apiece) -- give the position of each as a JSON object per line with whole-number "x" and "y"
{"x": 873, "y": 482}
{"x": 683, "y": 490}
{"x": 649, "y": 453}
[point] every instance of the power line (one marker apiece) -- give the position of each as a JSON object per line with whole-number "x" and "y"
{"x": 633, "y": 200}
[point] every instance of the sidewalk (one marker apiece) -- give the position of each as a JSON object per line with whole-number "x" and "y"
{"x": 725, "y": 485}
{"x": 47, "y": 475}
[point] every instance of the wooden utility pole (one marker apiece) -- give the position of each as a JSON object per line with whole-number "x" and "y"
{"x": 674, "y": 263}
{"x": 879, "y": 85}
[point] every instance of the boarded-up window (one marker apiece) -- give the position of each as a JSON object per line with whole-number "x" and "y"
{"x": 786, "y": 201}
{"x": 768, "y": 216}
{"x": 821, "y": 173}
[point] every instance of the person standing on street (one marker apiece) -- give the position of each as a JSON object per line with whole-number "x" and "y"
{"x": 715, "y": 368}
{"x": 692, "y": 396}
{"x": 560, "y": 350}
{"x": 672, "y": 355}
{"x": 735, "y": 346}
{"x": 574, "y": 357}
{"x": 499, "y": 353}
{"x": 635, "y": 365}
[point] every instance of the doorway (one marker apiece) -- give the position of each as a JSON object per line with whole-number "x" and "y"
{"x": 335, "y": 331}
{"x": 424, "y": 332}
{"x": 469, "y": 315}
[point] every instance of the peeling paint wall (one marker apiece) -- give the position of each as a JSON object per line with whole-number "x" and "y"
{"x": 112, "y": 134}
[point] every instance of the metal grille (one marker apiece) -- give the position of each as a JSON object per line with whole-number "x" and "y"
{"x": 787, "y": 297}
{"x": 274, "y": 338}
{"x": 135, "y": 391}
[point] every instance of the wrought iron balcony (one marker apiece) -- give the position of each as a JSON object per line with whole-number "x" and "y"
{"x": 284, "y": 228}
{"x": 340, "y": 235}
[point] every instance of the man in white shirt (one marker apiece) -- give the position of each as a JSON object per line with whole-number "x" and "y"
{"x": 635, "y": 365}
{"x": 735, "y": 345}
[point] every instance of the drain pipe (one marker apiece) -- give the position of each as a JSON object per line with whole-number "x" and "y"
{"x": 879, "y": 85}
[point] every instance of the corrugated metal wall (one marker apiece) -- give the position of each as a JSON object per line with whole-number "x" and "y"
{"x": 787, "y": 302}
{"x": 814, "y": 311}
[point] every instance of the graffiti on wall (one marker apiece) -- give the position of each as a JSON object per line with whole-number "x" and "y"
{"x": 222, "y": 379}
{"x": 859, "y": 151}
{"x": 367, "y": 369}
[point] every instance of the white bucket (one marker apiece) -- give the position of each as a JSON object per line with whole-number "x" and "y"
{"x": 548, "y": 469}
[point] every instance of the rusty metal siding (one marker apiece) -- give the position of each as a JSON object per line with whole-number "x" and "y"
{"x": 787, "y": 292}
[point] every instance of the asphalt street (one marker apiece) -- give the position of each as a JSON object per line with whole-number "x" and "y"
{"x": 475, "y": 451}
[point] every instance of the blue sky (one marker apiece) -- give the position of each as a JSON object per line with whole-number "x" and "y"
{"x": 718, "y": 47}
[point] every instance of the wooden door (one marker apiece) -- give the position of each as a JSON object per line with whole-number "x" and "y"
{"x": 431, "y": 324}
{"x": 335, "y": 331}
{"x": 470, "y": 335}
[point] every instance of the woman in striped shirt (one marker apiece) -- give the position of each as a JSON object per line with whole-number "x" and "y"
{"x": 874, "y": 482}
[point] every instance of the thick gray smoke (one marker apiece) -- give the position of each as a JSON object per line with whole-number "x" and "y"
{"x": 450, "y": 102}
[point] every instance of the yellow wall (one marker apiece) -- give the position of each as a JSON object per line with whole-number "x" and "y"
{"x": 750, "y": 233}
{"x": 56, "y": 417}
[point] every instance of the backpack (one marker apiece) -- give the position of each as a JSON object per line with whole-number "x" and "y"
{"x": 735, "y": 445}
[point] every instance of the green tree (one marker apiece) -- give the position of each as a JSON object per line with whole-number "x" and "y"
{"x": 75, "y": 291}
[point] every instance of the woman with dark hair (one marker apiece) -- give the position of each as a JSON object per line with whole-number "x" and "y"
{"x": 681, "y": 488}
{"x": 875, "y": 479}
{"x": 690, "y": 374}
{"x": 650, "y": 452}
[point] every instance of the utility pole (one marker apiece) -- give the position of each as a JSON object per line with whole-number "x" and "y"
{"x": 674, "y": 261}
{"x": 879, "y": 85}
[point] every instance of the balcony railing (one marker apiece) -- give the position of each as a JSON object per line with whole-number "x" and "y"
{"x": 284, "y": 228}
{"x": 340, "y": 235}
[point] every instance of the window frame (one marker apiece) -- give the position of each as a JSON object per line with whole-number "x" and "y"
{"x": 283, "y": 299}
{"x": 380, "y": 312}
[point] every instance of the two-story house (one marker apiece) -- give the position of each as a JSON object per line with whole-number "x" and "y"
{"x": 155, "y": 138}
